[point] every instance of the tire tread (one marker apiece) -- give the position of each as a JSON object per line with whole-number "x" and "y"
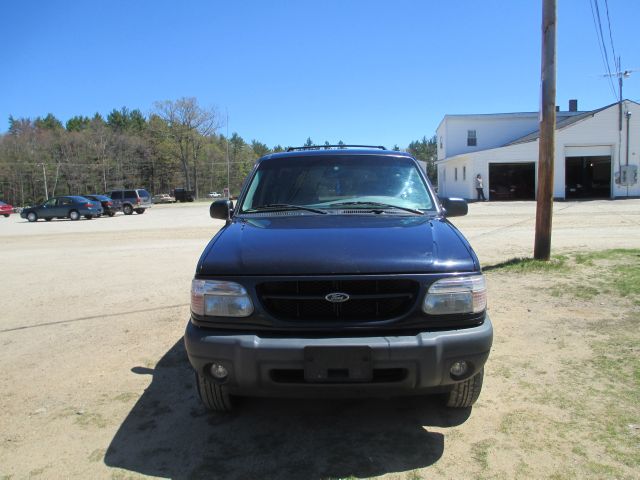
{"x": 465, "y": 394}
{"x": 214, "y": 397}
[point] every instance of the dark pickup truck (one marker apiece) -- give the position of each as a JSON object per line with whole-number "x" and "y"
{"x": 338, "y": 274}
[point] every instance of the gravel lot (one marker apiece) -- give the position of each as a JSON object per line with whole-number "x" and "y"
{"x": 95, "y": 383}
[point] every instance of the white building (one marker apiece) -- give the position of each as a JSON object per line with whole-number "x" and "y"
{"x": 594, "y": 157}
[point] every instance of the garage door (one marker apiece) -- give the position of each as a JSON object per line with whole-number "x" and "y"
{"x": 588, "y": 177}
{"x": 512, "y": 181}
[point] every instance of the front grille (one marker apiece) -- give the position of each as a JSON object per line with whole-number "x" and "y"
{"x": 369, "y": 300}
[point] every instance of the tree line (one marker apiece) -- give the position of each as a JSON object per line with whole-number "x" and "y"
{"x": 177, "y": 145}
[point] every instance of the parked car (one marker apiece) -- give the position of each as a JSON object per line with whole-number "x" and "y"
{"x": 107, "y": 204}
{"x": 338, "y": 273}
{"x": 129, "y": 201}
{"x": 72, "y": 206}
{"x": 214, "y": 195}
{"x": 163, "y": 198}
{"x": 96, "y": 203}
{"x": 5, "y": 209}
{"x": 182, "y": 195}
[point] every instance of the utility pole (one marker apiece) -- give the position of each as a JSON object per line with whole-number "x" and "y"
{"x": 44, "y": 175}
{"x": 546, "y": 149}
{"x": 621, "y": 74}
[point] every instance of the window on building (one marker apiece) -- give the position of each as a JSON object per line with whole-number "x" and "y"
{"x": 472, "y": 141}
{"x": 464, "y": 173}
{"x": 440, "y": 143}
{"x": 455, "y": 174}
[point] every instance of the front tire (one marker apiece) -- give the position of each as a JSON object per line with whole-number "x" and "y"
{"x": 6, "y": 215}
{"x": 74, "y": 215}
{"x": 215, "y": 397}
{"x": 465, "y": 394}
{"x": 32, "y": 216}
{"x": 111, "y": 214}
{"x": 127, "y": 209}
{"x": 139, "y": 211}
{"x": 88, "y": 217}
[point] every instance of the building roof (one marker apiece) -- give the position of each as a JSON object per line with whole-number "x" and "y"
{"x": 454, "y": 116}
{"x": 561, "y": 122}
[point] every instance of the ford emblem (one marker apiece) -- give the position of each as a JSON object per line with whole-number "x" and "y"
{"x": 337, "y": 297}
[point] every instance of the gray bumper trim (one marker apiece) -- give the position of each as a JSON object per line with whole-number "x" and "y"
{"x": 250, "y": 359}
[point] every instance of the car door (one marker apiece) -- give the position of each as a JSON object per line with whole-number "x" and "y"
{"x": 48, "y": 209}
{"x": 65, "y": 205}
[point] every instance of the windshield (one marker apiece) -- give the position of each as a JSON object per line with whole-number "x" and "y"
{"x": 323, "y": 182}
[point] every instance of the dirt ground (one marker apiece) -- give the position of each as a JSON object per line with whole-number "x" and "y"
{"x": 94, "y": 380}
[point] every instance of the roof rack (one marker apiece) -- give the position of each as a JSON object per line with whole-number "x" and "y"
{"x": 327, "y": 147}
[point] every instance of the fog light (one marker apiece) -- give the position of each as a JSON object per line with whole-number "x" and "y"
{"x": 218, "y": 371}
{"x": 458, "y": 369}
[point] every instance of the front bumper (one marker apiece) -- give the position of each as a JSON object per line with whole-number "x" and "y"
{"x": 268, "y": 366}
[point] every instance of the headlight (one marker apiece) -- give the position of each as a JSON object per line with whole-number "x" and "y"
{"x": 220, "y": 299}
{"x": 456, "y": 295}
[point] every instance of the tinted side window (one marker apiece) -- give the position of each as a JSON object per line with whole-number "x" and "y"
{"x": 116, "y": 195}
{"x": 143, "y": 193}
{"x": 130, "y": 194}
{"x": 65, "y": 201}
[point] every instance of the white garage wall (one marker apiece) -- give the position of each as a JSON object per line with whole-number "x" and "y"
{"x": 590, "y": 136}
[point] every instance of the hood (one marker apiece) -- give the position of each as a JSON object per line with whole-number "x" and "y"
{"x": 337, "y": 244}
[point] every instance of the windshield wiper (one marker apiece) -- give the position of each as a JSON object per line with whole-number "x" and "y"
{"x": 375, "y": 204}
{"x": 281, "y": 207}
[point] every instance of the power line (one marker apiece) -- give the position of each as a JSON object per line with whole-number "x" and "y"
{"x": 595, "y": 13}
{"x": 606, "y": 4}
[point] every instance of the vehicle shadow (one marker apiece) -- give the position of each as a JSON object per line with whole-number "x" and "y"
{"x": 168, "y": 433}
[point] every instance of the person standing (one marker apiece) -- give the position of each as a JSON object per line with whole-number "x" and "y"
{"x": 479, "y": 188}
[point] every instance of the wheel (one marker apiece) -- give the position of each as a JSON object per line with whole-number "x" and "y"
{"x": 48, "y": 219}
{"x": 111, "y": 214}
{"x": 74, "y": 215}
{"x": 6, "y": 215}
{"x": 139, "y": 211}
{"x": 215, "y": 397}
{"x": 465, "y": 394}
{"x": 88, "y": 217}
{"x": 127, "y": 209}
{"x": 32, "y": 217}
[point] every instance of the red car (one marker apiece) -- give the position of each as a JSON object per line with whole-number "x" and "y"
{"x": 5, "y": 209}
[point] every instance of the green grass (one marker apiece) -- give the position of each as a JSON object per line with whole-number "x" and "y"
{"x": 614, "y": 272}
{"x": 480, "y": 452}
{"x": 600, "y": 394}
{"x": 527, "y": 265}
{"x": 91, "y": 420}
{"x": 413, "y": 475}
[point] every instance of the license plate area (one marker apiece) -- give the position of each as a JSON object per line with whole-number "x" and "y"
{"x": 337, "y": 364}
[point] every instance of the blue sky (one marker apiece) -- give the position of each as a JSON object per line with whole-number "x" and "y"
{"x": 374, "y": 72}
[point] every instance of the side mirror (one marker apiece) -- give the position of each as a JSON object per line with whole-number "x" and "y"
{"x": 221, "y": 209}
{"x": 454, "y": 207}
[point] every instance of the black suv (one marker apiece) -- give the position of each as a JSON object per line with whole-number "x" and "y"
{"x": 338, "y": 273}
{"x": 129, "y": 201}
